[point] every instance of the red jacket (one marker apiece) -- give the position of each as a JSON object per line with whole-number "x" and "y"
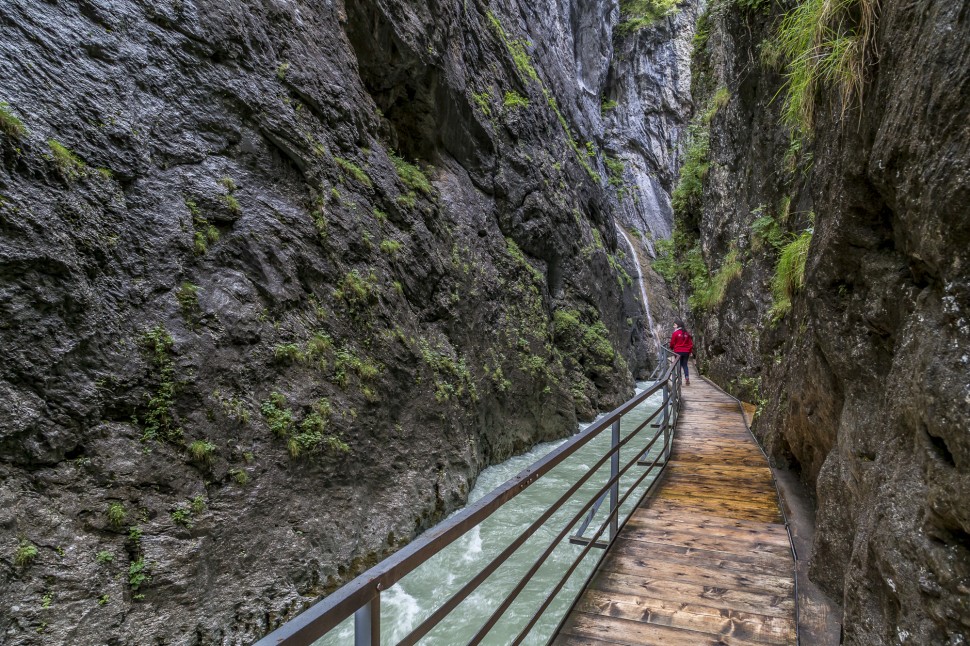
{"x": 681, "y": 341}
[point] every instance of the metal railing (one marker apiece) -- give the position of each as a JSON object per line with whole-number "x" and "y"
{"x": 361, "y": 597}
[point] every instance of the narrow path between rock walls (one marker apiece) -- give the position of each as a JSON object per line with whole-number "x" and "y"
{"x": 643, "y": 290}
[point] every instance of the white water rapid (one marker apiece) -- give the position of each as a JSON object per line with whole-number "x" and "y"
{"x": 417, "y": 595}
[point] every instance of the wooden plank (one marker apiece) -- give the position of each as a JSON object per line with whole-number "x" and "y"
{"x": 668, "y": 511}
{"x": 750, "y": 460}
{"x": 690, "y": 616}
{"x": 699, "y": 573}
{"x": 760, "y": 500}
{"x": 634, "y": 633}
{"x": 682, "y": 592}
{"x": 675, "y": 465}
{"x": 565, "y": 639}
{"x": 722, "y": 508}
{"x": 711, "y": 526}
{"x": 761, "y": 482}
{"x": 719, "y": 543}
{"x": 753, "y": 562}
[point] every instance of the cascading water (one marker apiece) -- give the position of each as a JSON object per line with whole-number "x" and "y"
{"x": 643, "y": 290}
{"x": 407, "y": 603}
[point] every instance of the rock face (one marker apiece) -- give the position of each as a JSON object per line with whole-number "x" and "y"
{"x": 863, "y": 381}
{"x": 650, "y": 85}
{"x": 277, "y": 279}
{"x": 645, "y": 107}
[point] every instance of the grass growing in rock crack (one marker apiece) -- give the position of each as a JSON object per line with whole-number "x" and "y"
{"x": 281, "y": 71}
{"x": 202, "y": 451}
{"x": 312, "y": 434}
{"x": 709, "y": 291}
{"x": 158, "y": 419}
{"x": 516, "y": 49}
{"x": 390, "y": 247}
{"x": 452, "y": 378}
{"x": 346, "y": 361}
{"x": 103, "y": 557}
{"x": 68, "y": 164}
{"x": 688, "y": 193}
{"x": 205, "y": 233}
{"x": 822, "y": 42}
{"x": 789, "y": 276}
{"x": 356, "y": 291}
{"x": 182, "y": 516}
{"x": 616, "y": 167}
{"x": 117, "y": 515}
{"x": 515, "y": 101}
{"x": 411, "y": 175}
{"x": 318, "y": 345}
{"x": 26, "y": 554}
{"x": 187, "y": 297}
{"x": 587, "y": 344}
{"x": 354, "y": 171}
{"x": 10, "y": 125}
{"x": 288, "y": 353}
{"x": 229, "y": 199}
{"x": 278, "y": 417}
{"x": 232, "y": 204}
{"x": 484, "y": 102}
{"x": 638, "y": 14}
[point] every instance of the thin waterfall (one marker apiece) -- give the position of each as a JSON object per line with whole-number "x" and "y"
{"x": 643, "y": 289}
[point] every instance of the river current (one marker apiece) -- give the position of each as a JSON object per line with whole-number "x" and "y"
{"x": 417, "y": 595}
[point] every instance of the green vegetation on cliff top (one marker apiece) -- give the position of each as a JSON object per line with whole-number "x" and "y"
{"x": 638, "y": 14}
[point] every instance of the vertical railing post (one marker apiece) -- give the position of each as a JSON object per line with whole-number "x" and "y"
{"x": 367, "y": 623}
{"x": 667, "y": 420}
{"x": 614, "y": 471}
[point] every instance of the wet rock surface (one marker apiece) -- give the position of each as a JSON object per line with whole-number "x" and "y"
{"x": 277, "y": 279}
{"x": 863, "y": 383}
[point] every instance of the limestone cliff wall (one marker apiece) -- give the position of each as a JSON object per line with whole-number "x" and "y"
{"x": 277, "y": 279}
{"x": 863, "y": 382}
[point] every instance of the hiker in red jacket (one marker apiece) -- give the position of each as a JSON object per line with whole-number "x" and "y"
{"x": 682, "y": 343}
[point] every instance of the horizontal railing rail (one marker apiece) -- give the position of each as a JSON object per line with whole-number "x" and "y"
{"x": 361, "y": 597}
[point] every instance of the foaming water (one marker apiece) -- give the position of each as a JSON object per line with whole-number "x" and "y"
{"x": 417, "y": 595}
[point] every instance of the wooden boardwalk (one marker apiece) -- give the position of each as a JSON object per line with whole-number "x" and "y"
{"x": 704, "y": 561}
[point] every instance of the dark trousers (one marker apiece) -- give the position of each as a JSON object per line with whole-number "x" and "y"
{"x": 683, "y": 363}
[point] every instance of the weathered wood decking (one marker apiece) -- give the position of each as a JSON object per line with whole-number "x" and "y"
{"x": 706, "y": 560}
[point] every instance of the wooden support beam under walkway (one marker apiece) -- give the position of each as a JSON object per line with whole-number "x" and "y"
{"x": 707, "y": 559}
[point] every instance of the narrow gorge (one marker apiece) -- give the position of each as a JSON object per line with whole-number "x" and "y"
{"x": 279, "y": 278}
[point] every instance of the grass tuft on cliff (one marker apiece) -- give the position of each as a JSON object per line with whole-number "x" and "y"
{"x": 822, "y": 42}
{"x": 68, "y": 164}
{"x": 515, "y": 100}
{"x": 638, "y": 14}
{"x": 689, "y": 192}
{"x": 10, "y": 125}
{"x": 412, "y": 176}
{"x": 25, "y": 554}
{"x": 353, "y": 170}
{"x": 789, "y": 276}
{"x": 709, "y": 291}
{"x": 516, "y": 48}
